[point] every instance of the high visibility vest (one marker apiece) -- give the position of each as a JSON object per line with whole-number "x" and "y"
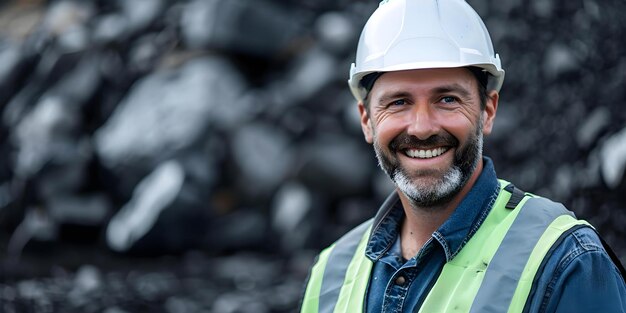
{"x": 493, "y": 272}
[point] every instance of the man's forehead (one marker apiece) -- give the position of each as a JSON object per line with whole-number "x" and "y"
{"x": 451, "y": 78}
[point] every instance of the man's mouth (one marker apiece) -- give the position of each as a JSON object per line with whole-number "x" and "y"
{"x": 425, "y": 153}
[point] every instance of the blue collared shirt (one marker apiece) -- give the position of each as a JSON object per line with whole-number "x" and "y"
{"x": 578, "y": 277}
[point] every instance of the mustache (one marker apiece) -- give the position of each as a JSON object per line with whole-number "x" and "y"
{"x": 405, "y": 141}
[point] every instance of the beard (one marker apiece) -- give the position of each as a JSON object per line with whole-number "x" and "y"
{"x": 427, "y": 193}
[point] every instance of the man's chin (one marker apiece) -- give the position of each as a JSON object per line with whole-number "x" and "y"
{"x": 430, "y": 190}
{"x": 426, "y": 179}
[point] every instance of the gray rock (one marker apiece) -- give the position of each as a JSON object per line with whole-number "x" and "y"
{"x": 310, "y": 72}
{"x": 297, "y": 121}
{"x": 110, "y": 28}
{"x": 197, "y": 22}
{"x": 49, "y": 68}
{"x": 154, "y": 285}
{"x": 239, "y": 302}
{"x": 335, "y": 31}
{"x": 559, "y": 59}
{"x": 146, "y": 52}
{"x": 60, "y": 178}
{"x": 382, "y": 184}
{"x": 355, "y": 210}
{"x": 338, "y": 165}
{"x": 260, "y": 28}
{"x": 63, "y": 16}
{"x": 167, "y": 112}
{"x": 564, "y": 182}
{"x": 291, "y": 215}
{"x": 79, "y": 84}
{"x": 244, "y": 109}
{"x": 263, "y": 154}
{"x": 47, "y": 134}
{"x": 588, "y": 132}
{"x": 84, "y": 210}
{"x": 543, "y": 8}
{"x": 181, "y": 305}
{"x": 613, "y": 156}
{"x": 507, "y": 121}
{"x": 36, "y": 224}
{"x": 350, "y": 115}
{"x": 6, "y": 195}
{"x": 75, "y": 39}
{"x": 51, "y": 130}
{"x": 139, "y": 14}
{"x": 285, "y": 296}
{"x": 240, "y": 230}
{"x": 247, "y": 271}
{"x": 507, "y": 6}
{"x": 154, "y": 194}
{"x": 168, "y": 210}
{"x": 88, "y": 280}
{"x": 11, "y": 58}
{"x": 18, "y": 106}
{"x": 31, "y": 289}
{"x": 114, "y": 309}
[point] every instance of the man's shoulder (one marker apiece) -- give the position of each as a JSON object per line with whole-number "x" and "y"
{"x": 580, "y": 272}
{"x": 579, "y": 241}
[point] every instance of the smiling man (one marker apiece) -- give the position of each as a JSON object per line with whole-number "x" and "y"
{"x": 452, "y": 237}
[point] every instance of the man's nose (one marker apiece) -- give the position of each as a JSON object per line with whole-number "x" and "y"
{"x": 422, "y": 122}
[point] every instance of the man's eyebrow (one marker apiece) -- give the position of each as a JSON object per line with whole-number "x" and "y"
{"x": 451, "y": 88}
{"x": 454, "y": 88}
{"x": 393, "y": 95}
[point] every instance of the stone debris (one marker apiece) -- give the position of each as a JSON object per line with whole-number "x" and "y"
{"x": 194, "y": 156}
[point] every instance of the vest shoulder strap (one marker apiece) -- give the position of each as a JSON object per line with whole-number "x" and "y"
{"x": 516, "y": 196}
{"x": 613, "y": 256}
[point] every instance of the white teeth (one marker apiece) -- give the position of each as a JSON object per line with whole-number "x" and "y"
{"x": 425, "y": 154}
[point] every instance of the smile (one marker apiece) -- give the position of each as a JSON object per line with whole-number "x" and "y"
{"x": 425, "y": 154}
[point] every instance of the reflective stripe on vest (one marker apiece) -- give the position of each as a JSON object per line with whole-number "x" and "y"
{"x": 533, "y": 232}
{"x": 493, "y": 272}
{"x": 339, "y": 278}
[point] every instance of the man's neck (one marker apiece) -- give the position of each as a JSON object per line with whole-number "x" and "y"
{"x": 420, "y": 223}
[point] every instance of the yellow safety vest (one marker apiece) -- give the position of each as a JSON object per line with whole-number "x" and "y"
{"x": 493, "y": 272}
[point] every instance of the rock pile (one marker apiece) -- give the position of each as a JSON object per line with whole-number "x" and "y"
{"x": 154, "y": 127}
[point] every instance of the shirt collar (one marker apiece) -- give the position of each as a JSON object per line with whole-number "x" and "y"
{"x": 453, "y": 233}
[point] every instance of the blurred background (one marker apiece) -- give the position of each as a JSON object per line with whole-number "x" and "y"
{"x": 194, "y": 156}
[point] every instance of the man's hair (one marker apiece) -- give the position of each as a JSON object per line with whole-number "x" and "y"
{"x": 482, "y": 77}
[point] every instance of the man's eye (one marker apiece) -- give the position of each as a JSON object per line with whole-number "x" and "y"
{"x": 448, "y": 99}
{"x": 398, "y": 102}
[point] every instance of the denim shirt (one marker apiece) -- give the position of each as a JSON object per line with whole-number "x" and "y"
{"x": 579, "y": 276}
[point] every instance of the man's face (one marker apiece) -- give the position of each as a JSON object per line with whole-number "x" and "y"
{"x": 427, "y": 128}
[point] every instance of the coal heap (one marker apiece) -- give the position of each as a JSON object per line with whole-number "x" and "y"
{"x": 194, "y": 156}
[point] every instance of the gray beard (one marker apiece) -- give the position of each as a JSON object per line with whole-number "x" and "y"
{"x": 434, "y": 195}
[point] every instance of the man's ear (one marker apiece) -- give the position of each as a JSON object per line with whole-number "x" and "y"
{"x": 489, "y": 114}
{"x": 366, "y": 123}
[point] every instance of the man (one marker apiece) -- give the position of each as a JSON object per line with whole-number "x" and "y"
{"x": 452, "y": 237}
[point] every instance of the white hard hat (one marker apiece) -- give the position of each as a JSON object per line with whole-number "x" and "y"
{"x": 417, "y": 34}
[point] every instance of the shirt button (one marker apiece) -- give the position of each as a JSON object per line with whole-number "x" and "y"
{"x": 400, "y": 280}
